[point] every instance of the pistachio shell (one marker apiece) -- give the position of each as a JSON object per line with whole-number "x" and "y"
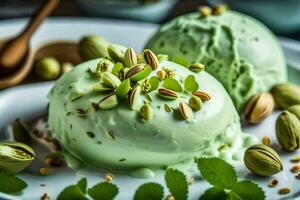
{"x": 295, "y": 110}
{"x": 15, "y": 157}
{"x": 185, "y": 110}
{"x": 100, "y": 87}
{"x": 110, "y": 80}
{"x": 286, "y": 95}
{"x": 150, "y": 58}
{"x": 259, "y": 107}
{"x": 103, "y": 66}
{"x": 116, "y": 52}
{"x": 138, "y": 72}
{"x": 196, "y": 67}
{"x": 108, "y": 102}
{"x": 205, "y": 11}
{"x": 202, "y": 95}
{"x": 123, "y": 88}
{"x": 134, "y": 97}
{"x": 92, "y": 46}
{"x": 195, "y": 103}
{"x": 288, "y": 131}
{"x": 130, "y": 58}
{"x": 262, "y": 160}
{"x": 167, "y": 94}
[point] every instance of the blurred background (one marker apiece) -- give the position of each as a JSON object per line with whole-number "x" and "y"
{"x": 283, "y": 17}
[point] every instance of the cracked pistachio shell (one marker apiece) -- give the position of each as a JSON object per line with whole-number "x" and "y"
{"x": 138, "y": 72}
{"x": 167, "y": 94}
{"x": 103, "y": 66}
{"x": 15, "y": 157}
{"x": 134, "y": 97}
{"x": 93, "y": 46}
{"x": 262, "y": 160}
{"x": 286, "y": 95}
{"x": 259, "y": 107}
{"x": 150, "y": 58}
{"x": 108, "y": 102}
{"x": 130, "y": 58}
{"x": 184, "y": 110}
{"x": 295, "y": 110}
{"x": 116, "y": 52}
{"x": 110, "y": 80}
{"x": 100, "y": 87}
{"x": 288, "y": 131}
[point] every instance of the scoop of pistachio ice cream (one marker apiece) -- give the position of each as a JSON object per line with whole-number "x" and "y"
{"x": 146, "y": 129}
{"x": 237, "y": 50}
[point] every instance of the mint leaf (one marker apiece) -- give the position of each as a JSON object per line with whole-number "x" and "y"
{"x": 72, "y": 192}
{"x": 149, "y": 191}
{"x": 82, "y": 184}
{"x": 213, "y": 194}
{"x": 190, "y": 84}
{"x": 103, "y": 191}
{"x": 177, "y": 184}
{"x": 217, "y": 172}
{"x": 172, "y": 84}
{"x": 9, "y": 183}
{"x": 248, "y": 190}
{"x": 181, "y": 61}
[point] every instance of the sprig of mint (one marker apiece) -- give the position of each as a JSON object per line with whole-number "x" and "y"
{"x": 9, "y": 183}
{"x": 149, "y": 191}
{"x": 177, "y": 184}
{"x": 223, "y": 178}
{"x": 101, "y": 191}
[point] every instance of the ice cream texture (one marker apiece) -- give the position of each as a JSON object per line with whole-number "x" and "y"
{"x": 118, "y": 138}
{"x": 237, "y": 50}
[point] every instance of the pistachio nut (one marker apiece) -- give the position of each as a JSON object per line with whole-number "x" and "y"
{"x": 295, "y": 109}
{"x": 196, "y": 67}
{"x": 202, "y": 95}
{"x": 123, "y": 88}
{"x": 161, "y": 74}
{"x": 219, "y": 9}
{"x": 108, "y": 102}
{"x": 195, "y": 103}
{"x": 66, "y": 67}
{"x": 47, "y": 68}
{"x": 130, "y": 58}
{"x": 286, "y": 95}
{"x": 146, "y": 86}
{"x": 167, "y": 94}
{"x": 15, "y": 157}
{"x": 134, "y": 97}
{"x": 100, "y": 87}
{"x": 146, "y": 112}
{"x": 262, "y": 160}
{"x": 205, "y": 11}
{"x": 184, "y": 110}
{"x": 138, "y": 72}
{"x": 150, "y": 58}
{"x": 93, "y": 46}
{"x": 288, "y": 131}
{"x": 116, "y": 52}
{"x": 169, "y": 72}
{"x": 103, "y": 66}
{"x": 259, "y": 107}
{"x": 110, "y": 80}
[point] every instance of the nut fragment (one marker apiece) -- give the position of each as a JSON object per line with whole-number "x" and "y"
{"x": 195, "y": 103}
{"x": 44, "y": 171}
{"x": 295, "y": 168}
{"x": 146, "y": 112}
{"x": 295, "y": 159}
{"x": 184, "y": 110}
{"x": 196, "y": 67}
{"x": 170, "y": 197}
{"x": 108, "y": 177}
{"x": 161, "y": 74}
{"x": 202, "y": 95}
{"x": 273, "y": 183}
{"x": 259, "y": 107}
{"x": 205, "y": 11}
{"x": 167, "y": 94}
{"x": 45, "y": 196}
{"x": 284, "y": 190}
{"x": 297, "y": 176}
{"x": 219, "y": 9}
{"x": 266, "y": 140}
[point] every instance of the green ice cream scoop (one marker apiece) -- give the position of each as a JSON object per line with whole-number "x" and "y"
{"x": 237, "y": 50}
{"x": 116, "y": 135}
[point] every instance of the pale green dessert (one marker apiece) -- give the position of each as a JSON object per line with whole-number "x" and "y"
{"x": 237, "y": 50}
{"x": 117, "y": 135}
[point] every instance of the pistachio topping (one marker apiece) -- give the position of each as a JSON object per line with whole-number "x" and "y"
{"x": 151, "y": 59}
{"x": 75, "y": 95}
{"x": 286, "y": 94}
{"x": 272, "y": 183}
{"x": 80, "y": 112}
{"x": 202, "y": 95}
{"x": 195, "y": 103}
{"x": 169, "y": 72}
{"x": 103, "y": 66}
{"x": 146, "y": 112}
{"x": 266, "y": 140}
{"x": 100, "y": 87}
{"x": 123, "y": 88}
{"x": 196, "y": 67}
{"x": 167, "y": 94}
{"x": 130, "y": 58}
{"x": 205, "y": 11}
{"x": 15, "y": 156}
{"x": 259, "y": 107}
{"x": 138, "y": 72}
{"x": 284, "y": 190}
{"x": 219, "y": 9}
{"x": 162, "y": 57}
{"x": 167, "y": 108}
{"x": 108, "y": 102}
{"x": 115, "y": 53}
{"x": 134, "y": 97}
{"x": 161, "y": 74}
{"x": 110, "y": 80}
{"x": 184, "y": 110}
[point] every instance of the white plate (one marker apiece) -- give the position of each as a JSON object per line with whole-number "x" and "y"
{"x": 28, "y": 101}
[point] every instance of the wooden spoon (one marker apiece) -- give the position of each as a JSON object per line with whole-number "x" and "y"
{"x": 16, "y": 51}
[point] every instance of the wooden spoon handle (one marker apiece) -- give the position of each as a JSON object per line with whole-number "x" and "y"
{"x": 37, "y": 18}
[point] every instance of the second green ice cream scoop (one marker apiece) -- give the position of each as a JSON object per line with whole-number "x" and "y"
{"x": 238, "y": 50}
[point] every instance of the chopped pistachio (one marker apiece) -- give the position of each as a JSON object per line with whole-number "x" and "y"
{"x": 167, "y": 108}
{"x": 146, "y": 86}
{"x": 146, "y": 112}
{"x": 184, "y": 110}
{"x": 295, "y": 159}
{"x": 108, "y": 102}
{"x": 44, "y": 171}
{"x": 103, "y": 66}
{"x": 205, "y": 11}
{"x": 161, "y": 74}
{"x": 219, "y": 9}
{"x": 272, "y": 183}
{"x": 169, "y": 72}
{"x": 110, "y": 80}
{"x": 108, "y": 177}
{"x": 195, "y": 103}
{"x": 167, "y": 94}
